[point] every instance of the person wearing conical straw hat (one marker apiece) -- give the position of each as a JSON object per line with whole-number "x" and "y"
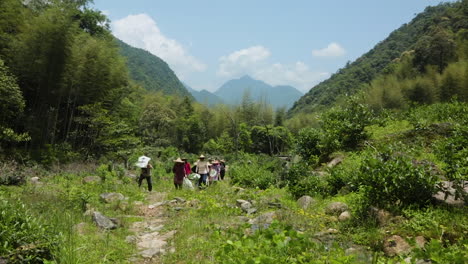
{"x": 179, "y": 173}
{"x": 202, "y": 169}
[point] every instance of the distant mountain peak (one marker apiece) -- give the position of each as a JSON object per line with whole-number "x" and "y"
{"x": 278, "y": 96}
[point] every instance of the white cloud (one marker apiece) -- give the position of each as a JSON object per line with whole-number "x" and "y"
{"x": 332, "y": 50}
{"x": 141, "y": 31}
{"x": 236, "y": 62}
{"x": 254, "y": 62}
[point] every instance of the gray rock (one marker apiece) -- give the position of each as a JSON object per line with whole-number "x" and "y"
{"x": 151, "y": 252}
{"x": 152, "y": 206}
{"x": 131, "y": 239}
{"x": 420, "y": 241}
{"x": 335, "y": 162}
{"x": 344, "y": 216}
{"x": 396, "y": 245}
{"x": 179, "y": 199}
{"x": 265, "y": 218}
{"x": 116, "y": 221}
{"x": 178, "y": 208}
{"x": 251, "y": 210}
{"x": 91, "y": 179}
{"x": 103, "y": 221}
{"x": 447, "y": 194}
{"x": 240, "y": 202}
{"x": 111, "y": 197}
{"x": 336, "y": 208}
{"x": 245, "y": 206}
{"x": 305, "y": 202}
{"x": 383, "y": 217}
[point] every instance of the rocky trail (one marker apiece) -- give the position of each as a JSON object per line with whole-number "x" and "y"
{"x": 150, "y": 236}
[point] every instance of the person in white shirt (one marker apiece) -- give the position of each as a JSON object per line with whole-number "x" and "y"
{"x": 202, "y": 169}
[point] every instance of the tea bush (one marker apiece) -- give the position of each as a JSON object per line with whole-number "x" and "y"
{"x": 303, "y": 181}
{"x": 391, "y": 180}
{"x": 277, "y": 244}
{"x": 254, "y": 171}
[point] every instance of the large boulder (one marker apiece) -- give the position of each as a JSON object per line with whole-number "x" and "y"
{"x": 103, "y": 222}
{"x": 336, "y": 208}
{"x": 305, "y": 202}
{"x": 111, "y": 197}
{"x": 396, "y": 245}
{"x": 91, "y": 179}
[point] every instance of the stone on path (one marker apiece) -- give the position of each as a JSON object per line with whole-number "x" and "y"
{"x": 305, "y": 201}
{"x": 111, "y": 197}
{"x": 344, "y": 216}
{"x": 336, "y": 208}
{"x": 103, "y": 221}
{"x": 396, "y": 245}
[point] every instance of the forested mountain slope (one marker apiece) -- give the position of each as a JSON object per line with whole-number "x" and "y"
{"x": 150, "y": 71}
{"x": 435, "y": 27}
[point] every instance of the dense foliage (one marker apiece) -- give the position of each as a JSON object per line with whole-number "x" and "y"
{"x": 151, "y": 72}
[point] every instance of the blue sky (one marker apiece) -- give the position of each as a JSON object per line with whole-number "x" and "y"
{"x": 296, "y": 42}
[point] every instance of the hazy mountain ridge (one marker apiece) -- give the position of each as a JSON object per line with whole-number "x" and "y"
{"x": 204, "y": 96}
{"x": 278, "y": 96}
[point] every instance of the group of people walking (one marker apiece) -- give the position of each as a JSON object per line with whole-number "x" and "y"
{"x": 206, "y": 172}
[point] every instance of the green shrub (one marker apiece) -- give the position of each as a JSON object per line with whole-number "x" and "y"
{"x": 24, "y": 239}
{"x": 454, "y": 152}
{"x": 344, "y": 127}
{"x": 392, "y": 180}
{"x": 308, "y": 144}
{"x": 277, "y": 244}
{"x": 260, "y": 171}
{"x": 303, "y": 181}
{"x": 249, "y": 175}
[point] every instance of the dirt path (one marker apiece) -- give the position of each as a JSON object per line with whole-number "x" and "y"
{"x": 148, "y": 236}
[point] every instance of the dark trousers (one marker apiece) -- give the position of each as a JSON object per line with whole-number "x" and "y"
{"x": 222, "y": 173}
{"x": 202, "y": 179}
{"x": 148, "y": 180}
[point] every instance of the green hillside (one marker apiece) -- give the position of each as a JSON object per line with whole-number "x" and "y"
{"x": 444, "y": 23}
{"x": 150, "y": 71}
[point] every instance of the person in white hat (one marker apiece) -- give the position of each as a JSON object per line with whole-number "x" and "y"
{"x": 143, "y": 163}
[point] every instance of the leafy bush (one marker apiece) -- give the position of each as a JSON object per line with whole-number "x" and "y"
{"x": 277, "y": 244}
{"x": 454, "y": 152}
{"x": 308, "y": 144}
{"x": 302, "y": 181}
{"x": 436, "y": 252}
{"x": 344, "y": 127}
{"x": 390, "y": 179}
{"x": 259, "y": 171}
{"x": 24, "y": 238}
